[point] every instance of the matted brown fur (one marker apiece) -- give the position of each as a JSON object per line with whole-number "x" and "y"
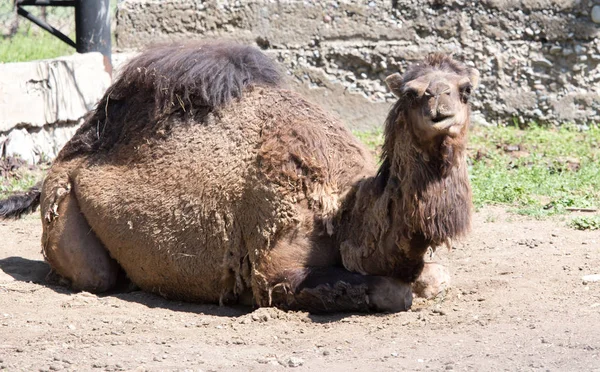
{"x": 210, "y": 187}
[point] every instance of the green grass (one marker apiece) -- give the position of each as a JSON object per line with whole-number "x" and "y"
{"x": 372, "y": 138}
{"x": 30, "y": 42}
{"x": 553, "y": 169}
{"x": 585, "y": 222}
{"x": 24, "y": 182}
{"x": 30, "y": 46}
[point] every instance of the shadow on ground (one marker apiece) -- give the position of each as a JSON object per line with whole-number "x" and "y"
{"x": 25, "y": 270}
{"x": 33, "y": 271}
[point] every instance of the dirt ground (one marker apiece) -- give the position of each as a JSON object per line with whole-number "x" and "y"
{"x": 518, "y": 302}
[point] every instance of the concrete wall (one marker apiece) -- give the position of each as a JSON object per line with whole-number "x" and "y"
{"x": 538, "y": 58}
{"x": 43, "y": 102}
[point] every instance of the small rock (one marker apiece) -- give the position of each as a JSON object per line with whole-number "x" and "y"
{"x": 295, "y": 362}
{"x": 555, "y": 49}
{"x": 326, "y": 352}
{"x": 543, "y": 61}
{"x": 71, "y": 327}
{"x": 438, "y": 311}
{"x": 591, "y": 278}
{"x": 55, "y": 367}
{"x": 595, "y": 14}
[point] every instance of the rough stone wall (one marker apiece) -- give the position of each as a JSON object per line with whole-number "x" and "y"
{"x": 538, "y": 58}
{"x": 43, "y": 102}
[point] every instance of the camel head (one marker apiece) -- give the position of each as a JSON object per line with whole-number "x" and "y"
{"x": 433, "y": 96}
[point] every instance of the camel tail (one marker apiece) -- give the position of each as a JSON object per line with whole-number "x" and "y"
{"x": 21, "y": 203}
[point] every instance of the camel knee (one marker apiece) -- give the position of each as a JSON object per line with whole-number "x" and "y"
{"x": 73, "y": 250}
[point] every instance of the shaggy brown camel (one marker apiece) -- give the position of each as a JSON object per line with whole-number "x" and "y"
{"x": 203, "y": 179}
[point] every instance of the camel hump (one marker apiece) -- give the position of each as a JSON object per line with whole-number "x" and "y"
{"x": 195, "y": 75}
{"x": 169, "y": 81}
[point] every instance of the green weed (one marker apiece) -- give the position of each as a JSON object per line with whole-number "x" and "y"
{"x": 31, "y": 46}
{"x": 538, "y": 171}
{"x": 25, "y": 181}
{"x": 585, "y": 222}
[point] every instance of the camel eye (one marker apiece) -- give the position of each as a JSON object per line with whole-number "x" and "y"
{"x": 411, "y": 93}
{"x": 465, "y": 92}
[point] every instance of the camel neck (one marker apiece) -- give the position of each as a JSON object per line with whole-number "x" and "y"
{"x": 429, "y": 196}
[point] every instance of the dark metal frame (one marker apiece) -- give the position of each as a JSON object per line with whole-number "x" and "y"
{"x": 92, "y": 24}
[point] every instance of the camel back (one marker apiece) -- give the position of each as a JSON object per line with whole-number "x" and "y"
{"x": 182, "y": 79}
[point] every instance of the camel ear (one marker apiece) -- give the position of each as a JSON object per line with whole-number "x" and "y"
{"x": 394, "y": 82}
{"x": 473, "y": 77}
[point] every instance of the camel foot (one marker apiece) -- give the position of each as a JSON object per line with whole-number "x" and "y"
{"x": 434, "y": 279}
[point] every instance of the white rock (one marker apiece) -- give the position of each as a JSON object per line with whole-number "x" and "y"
{"x": 591, "y": 278}
{"x": 295, "y": 362}
{"x": 596, "y": 14}
{"x": 19, "y": 143}
{"x": 44, "y": 92}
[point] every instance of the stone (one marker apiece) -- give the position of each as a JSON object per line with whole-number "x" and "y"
{"x": 595, "y": 14}
{"x": 591, "y": 278}
{"x": 19, "y": 143}
{"x": 295, "y": 362}
{"x": 39, "y": 93}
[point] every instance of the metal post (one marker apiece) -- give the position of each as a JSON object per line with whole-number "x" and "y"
{"x": 92, "y": 28}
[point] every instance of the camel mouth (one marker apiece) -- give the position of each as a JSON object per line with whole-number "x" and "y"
{"x": 443, "y": 124}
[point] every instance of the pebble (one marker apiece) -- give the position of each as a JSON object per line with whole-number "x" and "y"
{"x": 590, "y": 278}
{"x": 567, "y": 52}
{"x": 295, "y": 362}
{"x": 595, "y": 14}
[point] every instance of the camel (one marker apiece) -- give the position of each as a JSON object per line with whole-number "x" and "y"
{"x": 202, "y": 178}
